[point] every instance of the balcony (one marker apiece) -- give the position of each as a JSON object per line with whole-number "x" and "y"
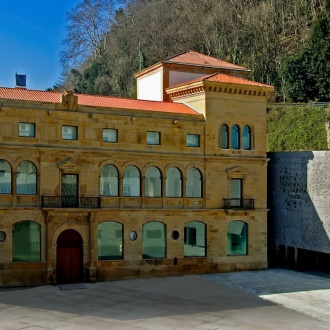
{"x": 238, "y": 203}
{"x": 71, "y": 202}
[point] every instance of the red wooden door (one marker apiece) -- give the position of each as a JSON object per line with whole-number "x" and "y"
{"x": 69, "y": 257}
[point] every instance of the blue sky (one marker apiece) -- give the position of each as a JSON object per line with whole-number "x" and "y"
{"x": 31, "y": 35}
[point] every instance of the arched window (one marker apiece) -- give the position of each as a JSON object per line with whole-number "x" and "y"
{"x": 237, "y": 238}
{"x": 110, "y": 240}
{"x": 131, "y": 182}
{"x": 173, "y": 183}
{"x": 246, "y": 138}
{"x": 5, "y": 177}
{"x": 194, "y": 183}
{"x": 235, "y": 137}
{"x": 153, "y": 182}
{"x": 153, "y": 240}
{"x": 224, "y": 141}
{"x": 109, "y": 181}
{"x": 194, "y": 239}
{"x": 26, "y": 180}
{"x": 26, "y": 241}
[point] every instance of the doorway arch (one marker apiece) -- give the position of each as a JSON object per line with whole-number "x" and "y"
{"x": 69, "y": 268}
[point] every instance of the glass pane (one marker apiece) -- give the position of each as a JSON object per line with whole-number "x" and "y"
{"x": 109, "y": 135}
{"x": 194, "y": 239}
{"x": 109, "y": 181}
{"x": 153, "y": 183}
{"x": 236, "y": 192}
{"x": 246, "y": 138}
{"x": 26, "y": 178}
{"x": 27, "y": 129}
{"x": 70, "y": 185}
{"x": 153, "y": 138}
{"x": 194, "y": 183}
{"x": 173, "y": 183}
{"x": 110, "y": 241}
{"x": 26, "y": 241}
{"x": 5, "y": 177}
{"x": 131, "y": 182}
{"x": 69, "y": 132}
{"x": 224, "y": 137}
{"x": 235, "y": 137}
{"x": 237, "y": 238}
{"x": 153, "y": 240}
{"x": 192, "y": 140}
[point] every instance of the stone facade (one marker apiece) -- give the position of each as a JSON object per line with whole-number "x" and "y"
{"x": 85, "y": 157}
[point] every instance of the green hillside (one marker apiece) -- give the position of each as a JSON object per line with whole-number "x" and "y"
{"x": 292, "y": 128}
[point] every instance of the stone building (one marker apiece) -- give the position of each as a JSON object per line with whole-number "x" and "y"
{"x": 96, "y": 188}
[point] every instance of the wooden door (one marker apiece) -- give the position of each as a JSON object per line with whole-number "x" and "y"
{"x": 69, "y": 257}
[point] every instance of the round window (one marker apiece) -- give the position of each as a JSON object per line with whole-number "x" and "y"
{"x": 2, "y": 236}
{"x": 175, "y": 234}
{"x": 133, "y": 235}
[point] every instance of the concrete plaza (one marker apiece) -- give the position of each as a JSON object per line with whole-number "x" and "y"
{"x": 270, "y": 299}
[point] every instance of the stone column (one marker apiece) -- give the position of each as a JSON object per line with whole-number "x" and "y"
{"x": 92, "y": 268}
{"x": 51, "y": 276}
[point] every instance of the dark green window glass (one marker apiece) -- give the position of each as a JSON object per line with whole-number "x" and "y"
{"x": 224, "y": 137}
{"x": 153, "y": 182}
{"x": 5, "y": 177}
{"x": 194, "y": 183}
{"x": 26, "y": 241}
{"x": 237, "y": 238}
{"x": 235, "y": 137}
{"x": 194, "y": 239}
{"x": 26, "y": 178}
{"x": 110, "y": 241}
{"x": 173, "y": 183}
{"x": 246, "y": 138}
{"x": 153, "y": 240}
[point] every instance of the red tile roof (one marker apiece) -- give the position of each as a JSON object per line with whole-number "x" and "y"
{"x": 194, "y": 58}
{"x": 223, "y": 78}
{"x": 95, "y": 101}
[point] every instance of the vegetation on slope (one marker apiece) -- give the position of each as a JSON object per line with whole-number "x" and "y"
{"x": 296, "y": 128}
{"x": 257, "y": 34}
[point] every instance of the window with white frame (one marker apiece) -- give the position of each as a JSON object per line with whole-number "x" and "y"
{"x": 193, "y": 140}
{"x": 26, "y": 129}
{"x": 69, "y": 132}
{"x": 153, "y": 137}
{"x": 110, "y": 135}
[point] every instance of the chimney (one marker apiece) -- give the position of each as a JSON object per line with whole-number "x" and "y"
{"x": 20, "y": 80}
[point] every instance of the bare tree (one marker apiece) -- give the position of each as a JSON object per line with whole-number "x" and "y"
{"x": 87, "y": 26}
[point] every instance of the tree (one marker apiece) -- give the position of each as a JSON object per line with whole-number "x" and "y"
{"x": 307, "y": 73}
{"x": 88, "y": 24}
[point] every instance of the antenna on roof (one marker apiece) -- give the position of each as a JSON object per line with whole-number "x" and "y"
{"x": 20, "y": 80}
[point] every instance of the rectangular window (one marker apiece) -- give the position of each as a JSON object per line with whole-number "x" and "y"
{"x": 69, "y": 132}
{"x": 153, "y": 137}
{"x": 236, "y": 192}
{"x": 110, "y": 135}
{"x": 26, "y": 129}
{"x": 192, "y": 140}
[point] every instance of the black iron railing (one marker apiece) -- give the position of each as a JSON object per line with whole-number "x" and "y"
{"x": 71, "y": 201}
{"x": 238, "y": 203}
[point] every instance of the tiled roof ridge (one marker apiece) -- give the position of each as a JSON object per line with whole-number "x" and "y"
{"x": 234, "y": 80}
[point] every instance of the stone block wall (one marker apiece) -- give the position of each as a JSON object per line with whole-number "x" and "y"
{"x": 299, "y": 199}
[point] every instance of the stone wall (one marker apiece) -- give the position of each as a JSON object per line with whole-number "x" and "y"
{"x": 299, "y": 200}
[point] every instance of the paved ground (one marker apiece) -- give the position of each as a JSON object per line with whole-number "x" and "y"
{"x": 271, "y": 299}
